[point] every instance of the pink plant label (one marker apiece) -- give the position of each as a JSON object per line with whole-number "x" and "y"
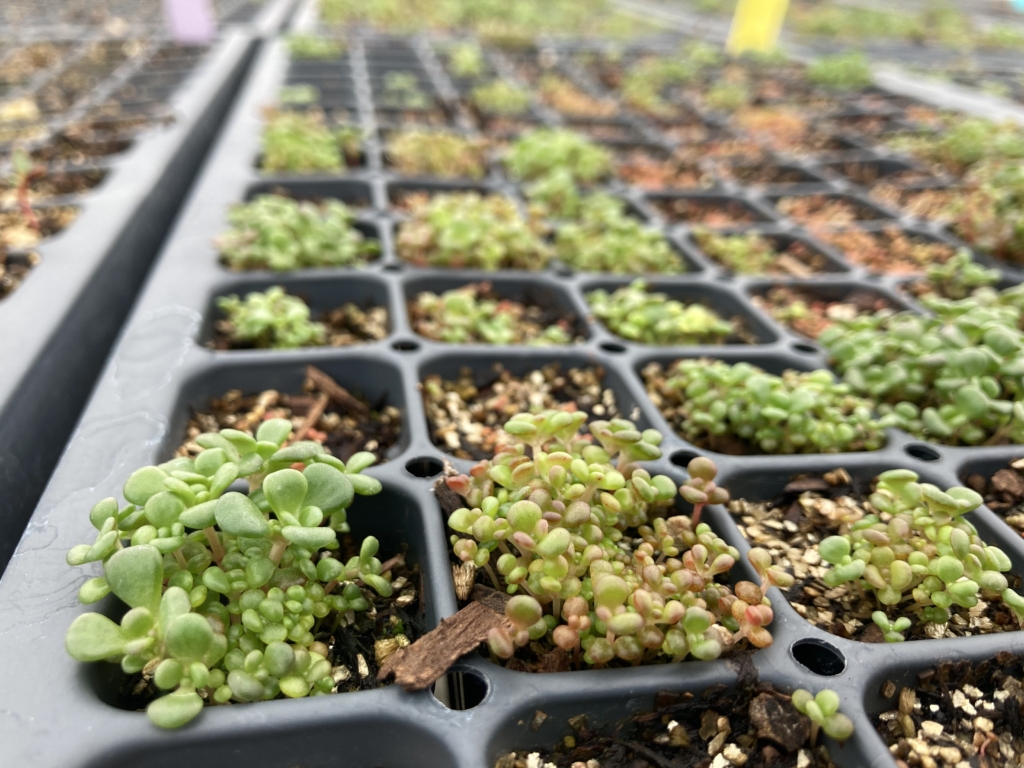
{"x": 190, "y": 22}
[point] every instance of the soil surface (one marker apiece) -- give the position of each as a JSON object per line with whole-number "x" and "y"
{"x": 345, "y": 426}
{"x": 814, "y": 211}
{"x": 890, "y": 251}
{"x": 920, "y": 203}
{"x": 466, "y": 414}
{"x": 647, "y": 171}
{"x": 754, "y": 726}
{"x": 753, "y": 254}
{"x": 346, "y": 325}
{"x": 958, "y": 714}
{"x": 816, "y": 313}
{"x": 717, "y": 214}
{"x": 813, "y": 507}
{"x": 1003, "y": 493}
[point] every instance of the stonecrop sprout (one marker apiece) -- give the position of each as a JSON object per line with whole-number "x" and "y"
{"x": 226, "y": 591}
{"x": 585, "y": 541}
{"x": 923, "y": 549}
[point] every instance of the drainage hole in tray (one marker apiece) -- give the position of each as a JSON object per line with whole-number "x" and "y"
{"x": 461, "y": 689}
{"x": 611, "y": 346}
{"x": 424, "y": 466}
{"x": 392, "y": 267}
{"x": 807, "y": 349}
{"x": 405, "y": 345}
{"x": 819, "y": 657}
{"x": 923, "y": 452}
{"x": 682, "y": 458}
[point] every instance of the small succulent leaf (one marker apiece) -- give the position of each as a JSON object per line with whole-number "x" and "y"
{"x": 274, "y": 431}
{"x": 189, "y": 637}
{"x": 200, "y": 516}
{"x": 237, "y": 515}
{"x": 309, "y": 538}
{"x": 94, "y": 637}
{"x": 136, "y": 576}
{"x": 285, "y": 490}
{"x": 175, "y": 709}
{"x": 328, "y": 488}
{"x": 143, "y": 484}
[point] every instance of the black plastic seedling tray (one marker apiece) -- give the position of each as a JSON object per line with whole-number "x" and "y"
{"x": 59, "y": 324}
{"x": 56, "y": 712}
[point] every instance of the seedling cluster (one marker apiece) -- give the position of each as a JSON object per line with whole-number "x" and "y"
{"x": 227, "y": 591}
{"x": 585, "y": 541}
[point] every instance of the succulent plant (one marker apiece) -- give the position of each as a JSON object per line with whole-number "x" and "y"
{"x": 466, "y": 59}
{"x": 958, "y": 277}
{"x": 644, "y": 83}
{"x": 746, "y": 254}
{"x": 555, "y": 195}
{"x": 637, "y": 314}
{"x": 314, "y": 47}
{"x": 227, "y": 591}
{"x": 988, "y": 213}
{"x": 271, "y": 318}
{"x": 577, "y": 536}
{"x": 279, "y": 233}
{"x": 468, "y": 314}
{"x": 711, "y": 402}
{"x": 955, "y": 377}
{"x": 470, "y": 231}
{"x": 925, "y": 549}
{"x": 436, "y": 153}
{"x": 607, "y": 239}
{"x": 300, "y": 94}
{"x": 401, "y": 90}
{"x": 823, "y": 711}
{"x": 542, "y": 151}
{"x": 962, "y": 143}
{"x": 844, "y": 71}
{"x": 500, "y": 98}
{"x": 300, "y": 141}
{"x": 728, "y": 96}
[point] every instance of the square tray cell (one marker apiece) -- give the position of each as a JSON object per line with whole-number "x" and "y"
{"x": 920, "y": 202}
{"x": 828, "y": 209}
{"x": 766, "y": 174}
{"x": 357, "y": 195}
{"x": 869, "y": 172}
{"x": 399, "y": 192}
{"x": 707, "y": 210}
{"x": 754, "y": 252}
{"x": 748, "y": 328}
{"x": 889, "y": 249}
{"x": 468, "y": 395}
{"x": 323, "y": 296}
{"x": 654, "y": 168}
{"x": 608, "y": 130}
{"x": 546, "y": 304}
{"x": 810, "y": 308}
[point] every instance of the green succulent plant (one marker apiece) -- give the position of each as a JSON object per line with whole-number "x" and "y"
{"x": 574, "y": 530}
{"x": 466, "y": 59}
{"x": 401, "y": 90}
{"x": 279, "y": 233}
{"x": 635, "y": 313}
{"x": 467, "y": 314}
{"x": 843, "y": 71}
{"x": 823, "y": 711}
{"x": 644, "y": 83}
{"x": 959, "y": 277}
{"x": 605, "y": 238}
{"x": 711, "y": 402}
{"x": 539, "y": 152}
{"x": 301, "y": 141}
{"x": 744, "y": 254}
{"x": 314, "y": 47}
{"x": 728, "y": 97}
{"x": 962, "y": 143}
{"x": 954, "y": 377}
{"x": 436, "y": 153}
{"x": 500, "y": 98}
{"x": 988, "y": 214}
{"x": 924, "y": 549}
{"x": 271, "y": 318}
{"x": 300, "y": 94}
{"x": 227, "y": 591}
{"x": 555, "y": 195}
{"x": 471, "y": 231}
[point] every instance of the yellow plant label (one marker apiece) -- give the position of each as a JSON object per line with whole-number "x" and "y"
{"x": 756, "y": 26}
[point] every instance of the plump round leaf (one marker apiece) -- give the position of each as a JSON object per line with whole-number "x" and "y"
{"x": 163, "y": 509}
{"x": 364, "y": 485}
{"x": 309, "y": 538}
{"x": 93, "y": 591}
{"x": 236, "y": 514}
{"x": 175, "y": 709}
{"x": 285, "y": 490}
{"x": 200, "y": 516}
{"x": 189, "y": 637}
{"x": 327, "y": 488}
{"x": 136, "y": 576}
{"x": 94, "y": 637}
{"x": 103, "y": 511}
{"x": 143, "y": 484}
{"x": 274, "y": 431}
